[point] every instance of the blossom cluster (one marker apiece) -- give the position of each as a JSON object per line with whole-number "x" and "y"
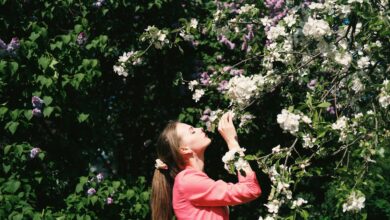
{"x": 384, "y": 96}
{"x": 11, "y": 47}
{"x": 290, "y": 122}
{"x": 234, "y": 159}
{"x": 355, "y": 202}
{"x": 34, "y": 152}
{"x": 132, "y": 58}
{"x": 92, "y": 190}
{"x": 38, "y": 105}
{"x": 155, "y": 36}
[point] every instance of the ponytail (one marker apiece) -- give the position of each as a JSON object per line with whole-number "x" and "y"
{"x": 163, "y": 179}
{"x": 161, "y": 199}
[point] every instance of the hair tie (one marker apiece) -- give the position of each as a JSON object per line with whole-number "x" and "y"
{"x": 160, "y": 165}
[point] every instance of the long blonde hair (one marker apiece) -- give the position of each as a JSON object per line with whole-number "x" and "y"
{"x": 162, "y": 184}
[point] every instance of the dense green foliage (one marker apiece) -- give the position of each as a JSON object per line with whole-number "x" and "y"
{"x": 85, "y": 149}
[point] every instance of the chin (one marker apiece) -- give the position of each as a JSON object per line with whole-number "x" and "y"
{"x": 208, "y": 142}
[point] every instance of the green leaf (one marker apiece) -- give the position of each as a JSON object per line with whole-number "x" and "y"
{"x": 304, "y": 214}
{"x": 79, "y": 187}
{"x": 38, "y": 179}
{"x": 324, "y": 105}
{"x": 3, "y": 110}
{"x": 37, "y": 216}
{"x": 7, "y": 148}
{"x": 47, "y": 100}
{"x": 6, "y": 168}
{"x": 78, "y": 28}
{"x": 13, "y": 66}
{"x": 94, "y": 199}
{"x": 250, "y": 157}
{"x": 116, "y": 184}
{"x": 130, "y": 193}
{"x": 82, "y": 117}
{"x": 19, "y": 149}
{"x": 3, "y": 64}
{"x": 12, "y": 186}
{"x": 34, "y": 36}
{"x": 17, "y": 217}
{"x": 66, "y": 38}
{"x": 12, "y": 126}
{"x": 28, "y": 114}
{"x": 47, "y": 111}
{"x": 44, "y": 62}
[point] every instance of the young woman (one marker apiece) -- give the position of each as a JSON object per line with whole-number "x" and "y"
{"x": 180, "y": 183}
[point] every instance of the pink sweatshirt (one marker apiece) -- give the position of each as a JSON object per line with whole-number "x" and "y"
{"x": 198, "y": 197}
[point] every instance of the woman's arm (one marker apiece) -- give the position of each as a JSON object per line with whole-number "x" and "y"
{"x": 201, "y": 190}
{"x": 228, "y": 132}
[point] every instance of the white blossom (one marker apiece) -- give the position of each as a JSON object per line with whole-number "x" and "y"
{"x": 273, "y": 206}
{"x": 246, "y": 8}
{"x": 316, "y": 28}
{"x": 192, "y": 84}
{"x": 276, "y": 149}
{"x": 308, "y": 141}
{"x": 275, "y": 32}
{"x": 241, "y": 164}
{"x": 288, "y": 121}
{"x": 354, "y": 202}
{"x": 384, "y": 100}
{"x": 306, "y": 119}
{"x": 363, "y": 62}
{"x": 290, "y": 20}
{"x": 340, "y": 124}
{"x": 343, "y": 58}
{"x": 194, "y": 23}
{"x": 198, "y": 94}
{"x": 299, "y": 202}
{"x": 357, "y": 85}
{"x": 244, "y": 119}
{"x": 120, "y": 70}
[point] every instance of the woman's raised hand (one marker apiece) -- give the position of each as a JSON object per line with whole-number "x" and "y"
{"x": 227, "y": 130}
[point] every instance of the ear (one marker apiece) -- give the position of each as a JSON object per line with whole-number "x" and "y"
{"x": 185, "y": 151}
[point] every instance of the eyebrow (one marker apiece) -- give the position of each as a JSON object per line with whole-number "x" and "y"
{"x": 191, "y": 128}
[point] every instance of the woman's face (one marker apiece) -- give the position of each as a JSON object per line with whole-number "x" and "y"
{"x": 193, "y": 138}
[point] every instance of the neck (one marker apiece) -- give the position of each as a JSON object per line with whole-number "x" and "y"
{"x": 196, "y": 161}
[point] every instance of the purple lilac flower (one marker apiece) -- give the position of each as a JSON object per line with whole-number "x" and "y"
{"x": 250, "y": 34}
{"x": 81, "y": 38}
{"x": 13, "y": 45}
{"x": 34, "y": 152}
{"x": 276, "y": 10}
{"x": 226, "y": 68}
{"x": 98, "y": 3}
{"x": 205, "y": 78}
{"x": 224, "y": 40}
{"x": 100, "y": 177}
{"x": 274, "y": 5}
{"x": 91, "y": 191}
{"x": 236, "y": 72}
{"x": 109, "y": 201}
{"x": 331, "y": 110}
{"x": 37, "y": 112}
{"x": 207, "y": 111}
{"x": 222, "y": 86}
{"x": 206, "y": 115}
{"x": 37, "y": 102}
{"x": 2, "y": 44}
{"x": 312, "y": 84}
{"x": 244, "y": 45}
{"x": 204, "y": 118}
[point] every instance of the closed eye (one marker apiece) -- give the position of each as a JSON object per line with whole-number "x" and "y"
{"x": 192, "y": 131}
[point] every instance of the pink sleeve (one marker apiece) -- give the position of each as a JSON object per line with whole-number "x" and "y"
{"x": 201, "y": 190}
